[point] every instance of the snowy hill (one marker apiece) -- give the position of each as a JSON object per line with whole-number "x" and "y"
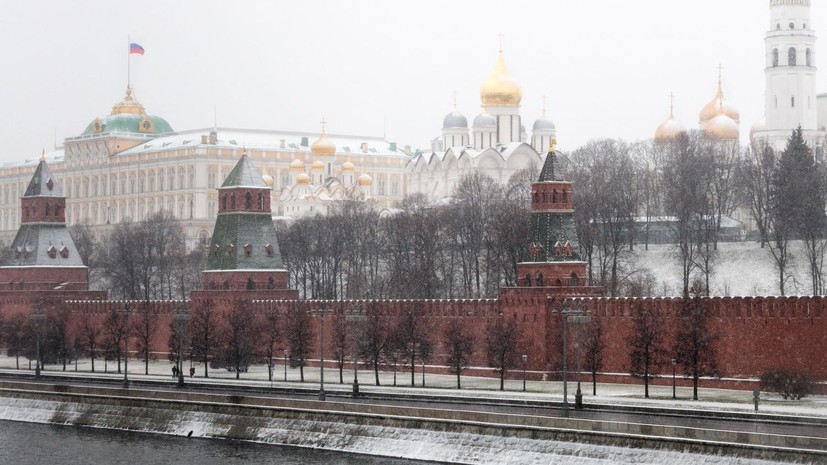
{"x": 740, "y": 269}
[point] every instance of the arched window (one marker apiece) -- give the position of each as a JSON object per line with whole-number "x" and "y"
{"x": 808, "y": 58}
{"x": 774, "y": 57}
{"x": 792, "y": 25}
{"x": 57, "y": 210}
{"x": 261, "y": 200}
{"x": 791, "y": 56}
{"x": 565, "y": 196}
{"x": 792, "y": 101}
{"x": 224, "y": 202}
{"x": 554, "y": 196}
{"x": 248, "y": 201}
{"x": 48, "y": 209}
{"x": 232, "y": 201}
{"x": 778, "y": 26}
{"x": 574, "y": 280}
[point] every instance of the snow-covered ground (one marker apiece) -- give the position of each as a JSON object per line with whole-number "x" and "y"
{"x": 740, "y": 269}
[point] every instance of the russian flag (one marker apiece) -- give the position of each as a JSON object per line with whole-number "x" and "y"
{"x": 135, "y": 48}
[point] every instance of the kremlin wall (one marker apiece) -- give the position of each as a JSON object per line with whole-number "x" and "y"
{"x": 756, "y": 334}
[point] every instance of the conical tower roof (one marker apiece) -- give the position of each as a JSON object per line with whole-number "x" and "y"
{"x": 244, "y": 175}
{"x": 43, "y": 183}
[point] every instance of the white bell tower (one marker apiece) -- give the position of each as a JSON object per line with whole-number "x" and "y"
{"x": 790, "y": 74}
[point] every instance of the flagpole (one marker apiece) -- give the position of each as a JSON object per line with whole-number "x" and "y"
{"x": 128, "y": 61}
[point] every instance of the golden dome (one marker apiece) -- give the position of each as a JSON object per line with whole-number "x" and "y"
{"x": 348, "y": 166}
{"x": 323, "y": 146}
{"x": 722, "y": 127}
{"x": 365, "y": 180}
{"x": 296, "y": 165}
{"x": 303, "y": 178}
{"x": 499, "y": 89}
{"x": 267, "y": 179}
{"x": 317, "y": 165}
{"x": 671, "y": 128}
{"x": 718, "y": 105}
{"x": 128, "y": 106}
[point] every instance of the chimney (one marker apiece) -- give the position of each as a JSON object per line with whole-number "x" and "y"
{"x": 203, "y": 139}
{"x": 281, "y": 143}
{"x": 364, "y": 147}
{"x": 393, "y": 146}
{"x": 304, "y": 142}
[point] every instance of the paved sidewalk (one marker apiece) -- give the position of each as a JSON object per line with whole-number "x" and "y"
{"x": 472, "y": 387}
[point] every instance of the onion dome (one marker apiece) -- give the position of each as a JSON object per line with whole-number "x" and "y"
{"x": 296, "y": 165}
{"x": 669, "y": 129}
{"x": 719, "y": 105}
{"x": 499, "y": 88}
{"x": 722, "y": 127}
{"x": 303, "y": 178}
{"x": 348, "y": 166}
{"x": 485, "y": 121}
{"x": 759, "y": 126}
{"x": 365, "y": 180}
{"x": 455, "y": 120}
{"x": 267, "y": 179}
{"x": 323, "y": 146}
{"x": 317, "y": 165}
{"x": 543, "y": 123}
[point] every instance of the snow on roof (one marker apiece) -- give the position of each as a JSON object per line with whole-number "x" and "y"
{"x": 55, "y": 156}
{"x": 268, "y": 140}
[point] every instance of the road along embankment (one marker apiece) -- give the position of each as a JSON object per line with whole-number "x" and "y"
{"x": 455, "y": 436}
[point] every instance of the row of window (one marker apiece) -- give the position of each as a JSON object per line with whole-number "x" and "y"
{"x": 792, "y": 57}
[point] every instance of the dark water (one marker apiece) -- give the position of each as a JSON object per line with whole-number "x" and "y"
{"x": 36, "y": 444}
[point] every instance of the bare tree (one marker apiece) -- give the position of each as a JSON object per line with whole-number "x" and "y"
{"x": 411, "y": 339}
{"x": 459, "y": 344}
{"x": 205, "y": 334}
{"x": 300, "y": 337}
{"x": 240, "y": 338}
{"x": 502, "y": 345}
{"x": 145, "y": 326}
{"x": 15, "y": 332}
{"x": 374, "y": 341}
{"x": 114, "y": 333}
{"x": 594, "y": 345}
{"x": 271, "y": 335}
{"x": 694, "y": 344}
{"x": 341, "y": 341}
{"x": 646, "y": 345}
{"x": 90, "y": 335}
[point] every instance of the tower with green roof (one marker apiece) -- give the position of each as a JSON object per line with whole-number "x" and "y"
{"x": 552, "y": 259}
{"x": 244, "y": 251}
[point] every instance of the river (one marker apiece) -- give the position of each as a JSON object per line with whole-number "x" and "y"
{"x": 39, "y": 444}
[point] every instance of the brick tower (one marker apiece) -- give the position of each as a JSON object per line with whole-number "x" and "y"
{"x": 43, "y": 255}
{"x": 552, "y": 260}
{"x": 244, "y": 252}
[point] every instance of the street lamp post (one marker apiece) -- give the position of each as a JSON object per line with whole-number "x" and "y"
{"x": 354, "y": 319}
{"x": 578, "y": 396}
{"x": 285, "y": 365}
{"x": 674, "y": 362}
{"x": 395, "y": 357}
{"x": 38, "y": 315}
{"x": 577, "y": 317}
{"x": 181, "y": 317}
{"x": 321, "y": 355}
{"x": 126, "y": 312}
{"x": 525, "y": 359}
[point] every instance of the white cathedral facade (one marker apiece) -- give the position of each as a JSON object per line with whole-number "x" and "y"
{"x": 495, "y": 145}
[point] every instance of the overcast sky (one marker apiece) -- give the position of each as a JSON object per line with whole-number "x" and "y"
{"x": 370, "y": 67}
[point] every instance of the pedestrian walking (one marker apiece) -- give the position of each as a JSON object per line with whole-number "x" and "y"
{"x": 192, "y": 372}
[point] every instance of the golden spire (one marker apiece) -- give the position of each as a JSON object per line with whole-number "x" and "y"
{"x": 322, "y": 146}
{"x": 500, "y": 35}
{"x": 499, "y": 88}
{"x": 455, "y": 100}
{"x": 544, "y": 106}
{"x": 553, "y": 147}
{"x": 128, "y": 106}
{"x": 43, "y": 155}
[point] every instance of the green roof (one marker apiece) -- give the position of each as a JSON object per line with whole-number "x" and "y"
{"x": 128, "y": 123}
{"x": 244, "y": 175}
